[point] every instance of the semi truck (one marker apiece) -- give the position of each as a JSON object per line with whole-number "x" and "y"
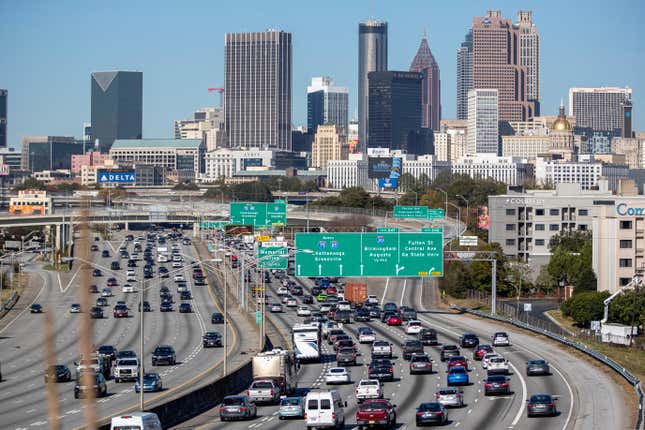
{"x": 277, "y": 365}
{"x": 356, "y": 292}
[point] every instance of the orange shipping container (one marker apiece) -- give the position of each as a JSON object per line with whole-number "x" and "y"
{"x": 356, "y": 292}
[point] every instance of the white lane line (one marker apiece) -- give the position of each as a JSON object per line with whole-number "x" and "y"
{"x": 523, "y": 404}
{"x": 27, "y": 307}
{"x": 405, "y": 281}
{"x": 387, "y": 284}
{"x": 62, "y": 290}
{"x": 566, "y": 423}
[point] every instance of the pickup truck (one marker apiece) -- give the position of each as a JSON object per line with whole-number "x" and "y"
{"x": 126, "y": 369}
{"x": 346, "y": 356}
{"x": 410, "y": 347}
{"x": 381, "y": 348}
{"x": 263, "y": 391}
{"x": 368, "y": 389}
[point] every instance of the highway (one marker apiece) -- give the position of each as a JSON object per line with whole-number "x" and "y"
{"x": 22, "y": 393}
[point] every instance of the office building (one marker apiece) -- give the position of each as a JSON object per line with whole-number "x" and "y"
{"x": 89, "y": 173}
{"x": 225, "y": 162}
{"x": 177, "y": 157}
{"x": 526, "y": 145}
{"x": 88, "y": 159}
{"x": 425, "y": 63}
{"x": 372, "y": 57}
{"x": 395, "y": 112}
{"x": 458, "y": 131}
{"x": 509, "y": 170}
{"x": 117, "y": 107}
{"x": 483, "y": 121}
{"x": 326, "y": 104}
{"x": 633, "y": 148}
{"x": 206, "y": 124}
{"x": 330, "y": 143}
{"x": 301, "y": 141}
{"x": 587, "y": 172}
{"x": 4, "y": 108}
{"x": 258, "y": 90}
{"x": 348, "y": 173}
{"x": 442, "y": 143}
{"x": 496, "y": 64}
{"x": 529, "y": 53}
{"x": 11, "y": 158}
{"x": 464, "y": 75}
{"x": 425, "y": 168}
{"x": 50, "y": 152}
{"x": 602, "y": 109}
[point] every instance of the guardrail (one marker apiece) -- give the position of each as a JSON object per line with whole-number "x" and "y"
{"x": 636, "y": 383}
{"x": 8, "y": 305}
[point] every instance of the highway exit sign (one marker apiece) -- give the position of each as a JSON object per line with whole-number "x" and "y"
{"x": 272, "y": 257}
{"x": 259, "y": 214}
{"x": 387, "y": 229}
{"x": 410, "y": 254}
{"x": 410, "y": 211}
{"x": 436, "y": 213}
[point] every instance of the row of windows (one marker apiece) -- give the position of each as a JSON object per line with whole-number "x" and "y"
{"x": 553, "y": 212}
{"x": 538, "y": 242}
{"x": 542, "y": 227}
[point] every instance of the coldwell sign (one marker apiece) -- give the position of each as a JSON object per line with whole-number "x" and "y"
{"x": 623, "y": 209}
{"x": 120, "y": 176}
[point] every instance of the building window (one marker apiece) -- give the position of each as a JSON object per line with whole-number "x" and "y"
{"x": 539, "y": 242}
{"x": 539, "y": 212}
{"x": 510, "y": 227}
{"x": 510, "y": 242}
{"x": 539, "y": 227}
{"x": 625, "y": 262}
{"x": 625, "y": 225}
{"x": 624, "y": 281}
{"x": 626, "y": 244}
{"x": 582, "y": 227}
{"x": 510, "y": 211}
{"x": 554, "y": 227}
{"x": 554, "y": 211}
{"x": 583, "y": 212}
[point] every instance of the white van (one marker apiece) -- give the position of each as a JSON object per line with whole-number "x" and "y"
{"x": 136, "y": 421}
{"x": 324, "y": 409}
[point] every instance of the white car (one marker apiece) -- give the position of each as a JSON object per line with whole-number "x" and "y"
{"x": 324, "y": 308}
{"x": 500, "y": 339}
{"x": 127, "y": 288}
{"x": 344, "y": 306}
{"x": 487, "y": 357}
{"x": 337, "y": 375}
{"x": 106, "y": 292}
{"x": 303, "y": 311}
{"x": 180, "y": 278}
{"x": 131, "y": 278}
{"x": 276, "y": 307}
{"x": 291, "y": 303}
{"x": 381, "y": 349}
{"x": 413, "y": 327}
{"x": 366, "y": 335}
{"x": 181, "y": 288}
{"x": 176, "y": 264}
{"x": 329, "y": 325}
{"x": 283, "y": 291}
{"x": 368, "y": 389}
{"x": 497, "y": 365}
{"x": 371, "y": 299}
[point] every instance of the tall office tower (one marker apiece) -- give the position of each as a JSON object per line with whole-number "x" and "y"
{"x": 530, "y": 55}
{"x": 395, "y": 112}
{"x": 483, "y": 116}
{"x": 425, "y": 63}
{"x": 496, "y": 64}
{"x": 117, "y": 107}
{"x": 330, "y": 143}
{"x": 4, "y": 95}
{"x": 326, "y": 104}
{"x": 464, "y": 75}
{"x": 602, "y": 109}
{"x": 257, "y": 106}
{"x": 372, "y": 57}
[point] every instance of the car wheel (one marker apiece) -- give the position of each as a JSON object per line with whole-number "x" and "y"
{"x": 117, "y": 380}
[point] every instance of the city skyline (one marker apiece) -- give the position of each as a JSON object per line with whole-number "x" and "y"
{"x": 176, "y": 80}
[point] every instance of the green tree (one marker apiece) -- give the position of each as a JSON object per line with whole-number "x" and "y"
{"x": 572, "y": 242}
{"x": 585, "y": 307}
{"x": 30, "y": 184}
{"x": 186, "y": 186}
{"x": 628, "y": 308}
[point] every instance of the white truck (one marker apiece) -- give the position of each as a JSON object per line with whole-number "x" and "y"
{"x": 368, "y": 389}
{"x": 96, "y": 363}
{"x": 126, "y": 369}
{"x": 277, "y": 365}
{"x": 306, "y": 342}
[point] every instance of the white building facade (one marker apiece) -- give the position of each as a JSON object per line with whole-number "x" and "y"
{"x": 224, "y": 162}
{"x": 483, "y": 117}
{"x": 587, "y": 174}
{"x": 509, "y": 170}
{"x": 348, "y": 173}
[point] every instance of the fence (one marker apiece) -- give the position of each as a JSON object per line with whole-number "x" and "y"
{"x": 580, "y": 347}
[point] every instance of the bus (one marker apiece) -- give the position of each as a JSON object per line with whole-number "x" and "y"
{"x": 306, "y": 342}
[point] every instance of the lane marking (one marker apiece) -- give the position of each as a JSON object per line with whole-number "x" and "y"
{"x": 405, "y": 281}
{"x": 387, "y": 284}
{"x": 27, "y": 307}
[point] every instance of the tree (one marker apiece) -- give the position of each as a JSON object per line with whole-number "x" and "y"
{"x": 186, "y": 186}
{"x": 30, "y": 184}
{"x": 571, "y": 261}
{"x": 572, "y": 242}
{"x": 585, "y": 307}
{"x": 628, "y": 308}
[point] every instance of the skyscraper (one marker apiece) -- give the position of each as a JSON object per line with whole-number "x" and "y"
{"x": 425, "y": 64}
{"x": 372, "y": 57}
{"x": 602, "y": 109}
{"x": 395, "y": 112}
{"x": 464, "y": 75}
{"x": 117, "y": 107}
{"x": 530, "y": 54}
{"x": 4, "y": 95}
{"x": 483, "y": 128}
{"x": 257, "y": 106}
{"x": 326, "y": 104}
{"x": 496, "y": 64}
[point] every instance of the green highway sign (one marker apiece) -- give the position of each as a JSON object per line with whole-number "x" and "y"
{"x": 272, "y": 257}
{"x": 410, "y": 254}
{"x": 213, "y": 224}
{"x": 259, "y": 214}
{"x": 410, "y": 211}
{"x": 436, "y": 213}
{"x": 258, "y": 317}
{"x": 387, "y": 229}
{"x": 432, "y": 229}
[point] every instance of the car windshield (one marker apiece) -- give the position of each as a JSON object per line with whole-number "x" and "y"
{"x": 290, "y": 401}
{"x": 496, "y": 379}
{"x": 373, "y": 406}
{"x": 430, "y": 407}
{"x": 540, "y": 398}
{"x": 262, "y": 384}
{"x": 337, "y": 370}
{"x": 537, "y": 362}
{"x": 458, "y": 370}
{"x": 233, "y": 401}
{"x": 346, "y": 351}
{"x": 413, "y": 344}
{"x": 447, "y": 392}
{"x": 128, "y": 363}
{"x": 149, "y": 376}
{"x": 165, "y": 350}
{"x": 380, "y": 343}
{"x": 497, "y": 360}
{"x": 363, "y": 383}
{"x": 420, "y": 358}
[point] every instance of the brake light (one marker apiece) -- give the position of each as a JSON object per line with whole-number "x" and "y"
{"x": 333, "y": 415}
{"x": 271, "y": 392}
{"x": 305, "y": 415}
{"x": 436, "y": 396}
{"x": 438, "y": 413}
{"x": 549, "y": 404}
{"x": 489, "y": 385}
{"x": 530, "y": 405}
{"x": 248, "y": 393}
{"x": 505, "y": 384}
{"x": 243, "y": 408}
{"x": 389, "y": 369}
{"x": 419, "y": 414}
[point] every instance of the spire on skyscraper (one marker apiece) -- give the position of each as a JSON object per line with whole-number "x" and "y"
{"x": 424, "y": 62}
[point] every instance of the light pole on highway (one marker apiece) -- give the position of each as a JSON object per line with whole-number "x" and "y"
{"x": 467, "y": 207}
{"x": 446, "y": 195}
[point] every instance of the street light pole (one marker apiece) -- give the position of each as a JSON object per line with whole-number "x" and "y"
{"x": 467, "y": 207}
{"x": 446, "y": 195}
{"x": 225, "y": 320}
{"x": 142, "y": 352}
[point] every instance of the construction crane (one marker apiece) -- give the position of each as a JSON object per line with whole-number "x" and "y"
{"x": 221, "y": 93}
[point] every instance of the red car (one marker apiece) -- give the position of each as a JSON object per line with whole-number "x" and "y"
{"x": 457, "y": 360}
{"x": 394, "y": 320}
{"x": 332, "y": 290}
{"x": 111, "y": 282}
{"x": 344, "y": 343}
{"x": 120, "y": 311}
{"x": 481, "y": 350}
{"x": 376, "y": 413}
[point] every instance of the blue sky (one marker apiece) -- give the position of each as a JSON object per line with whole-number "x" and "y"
{"x": 49, "y": 49}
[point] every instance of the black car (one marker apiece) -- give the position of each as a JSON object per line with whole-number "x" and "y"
{"x": 448, "y": 351}
{"x": 431, "y": 413}
{"x": 164, "y": 354}
{"x": 165, "y": 307}
{"x": 167, "y": 297}
{"x": 386, "y": 315}
{"x": 94, "y": 248}
{"x": 96, "y": 312}
{"x": 308, "y": 299}
{"x": 469, "y": 340}
{"x": 362, "y": 315}
{"x": 94, "y": 289}
{"x": 163, "y": 290}
{"x": 200, "y": 281}
{"x": 132, "y": 263}
{"x": 146, "y": 306}
{"x": 36, "y": 308}
{"x": 315, "y": 291}
{"x": 390, "y": 307}
{"x": 185, "y": 308}
{"x": 375, "y": 311}
{"x": 428, "y": 336}
{"x": 163, "y": 272}
{"x": 107, "y": 350}
{"x": 105, "y": 253}
{"x": 212, "y": 339}
{"x": 541, "y": 404}
{"x": 217, "y": 318}
{"x": 185, "y": 295}
{"x": 410, "y": 347}
{"x": 381, "y": 369}
{"x": 496, "y": 384}
{"x": 407, "y": 313}
{"x": 58, "y": 373}
{"x": 96, "y": 273}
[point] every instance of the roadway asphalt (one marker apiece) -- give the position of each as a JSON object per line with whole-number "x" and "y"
{"x": 22, "y": 394}
{"x": 588, "y": 398}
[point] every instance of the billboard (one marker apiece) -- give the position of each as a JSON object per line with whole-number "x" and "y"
{"x": 387, "y": 183}
{"x": 251, "y": 162}
{"x": 483, "y": 223}
{"x": 379, "y": 167}
{"x": 119, "y": 176}
{"x": 378, "y": 152}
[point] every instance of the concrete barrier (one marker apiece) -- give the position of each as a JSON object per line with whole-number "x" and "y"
{"x": 9, "y": 304}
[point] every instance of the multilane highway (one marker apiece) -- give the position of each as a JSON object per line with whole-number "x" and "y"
{"x": 22, "y": 392}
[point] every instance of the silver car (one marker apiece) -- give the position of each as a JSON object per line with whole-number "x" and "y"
{"x": 264, "y": 391}
{"x": 450, "y": 396}
{"x": 537, "y": 367}
{"x": 237, "y": 407}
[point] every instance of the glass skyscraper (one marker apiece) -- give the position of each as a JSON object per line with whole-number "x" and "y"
{"x": 326, "y": 104}
{"x": 117, "y": 107}
{"x": 4, "y": 95}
